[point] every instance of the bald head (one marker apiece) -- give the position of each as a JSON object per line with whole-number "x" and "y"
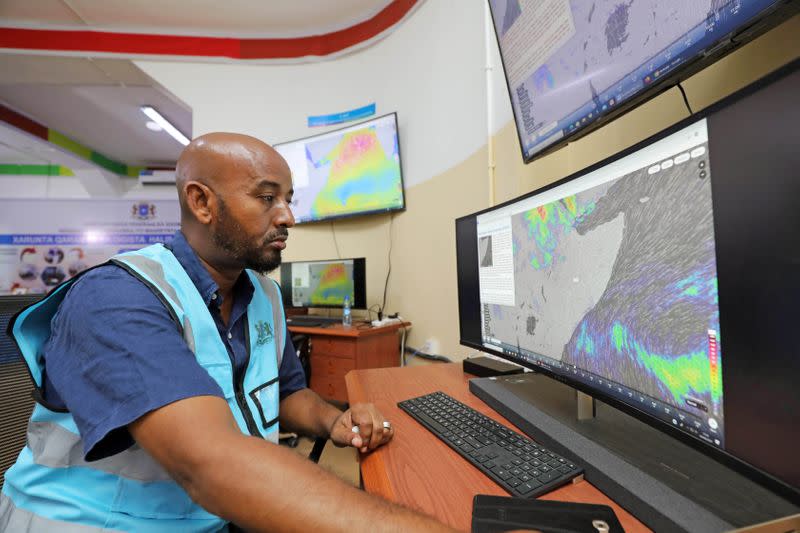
{"x": 235, "y": 193}
{"x": 220, "y": 160}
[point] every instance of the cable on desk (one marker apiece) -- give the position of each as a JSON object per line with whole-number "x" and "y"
{"x": 429, "y": 356}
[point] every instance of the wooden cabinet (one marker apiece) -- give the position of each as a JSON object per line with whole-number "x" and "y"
{"x": 336, "y": 350}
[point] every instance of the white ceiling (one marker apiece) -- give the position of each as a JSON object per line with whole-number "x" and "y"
{"x": 239, "y": 18}
{"x": 96, "y": 102}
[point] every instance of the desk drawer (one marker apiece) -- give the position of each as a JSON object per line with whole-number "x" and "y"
{"x": 333, "y": 346}
{"x": 325, "y": 366}
{"x": 329, "y": 387}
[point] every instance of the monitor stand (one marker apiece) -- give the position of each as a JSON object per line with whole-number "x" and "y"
{"x": 665, "y": 483}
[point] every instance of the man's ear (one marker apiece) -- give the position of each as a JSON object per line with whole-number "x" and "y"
{"x": 200, "y": 200}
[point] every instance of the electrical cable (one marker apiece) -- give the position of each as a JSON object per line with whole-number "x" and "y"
{"x": 389, "y": 270}
{"x": 335, "y": 242}
{"x": 371, "y": 310}
{"x": 403, "y": 348}
{"x": 685, "y": 99}
{"x": 430, "y": 357}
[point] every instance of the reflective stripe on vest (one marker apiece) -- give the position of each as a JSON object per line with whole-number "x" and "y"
{"x": 14, "y": 519}
{"x": 129, "y": 491}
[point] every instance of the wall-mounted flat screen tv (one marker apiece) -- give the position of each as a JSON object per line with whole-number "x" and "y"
{"x": 347, "y": 172}
{"x": 573, "y": 65}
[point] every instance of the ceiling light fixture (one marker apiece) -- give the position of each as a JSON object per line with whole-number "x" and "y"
{"x": 153, "y": 126}
{"x": 156, "y": 117}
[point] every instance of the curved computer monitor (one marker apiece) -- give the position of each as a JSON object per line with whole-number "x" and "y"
{"x": 573, "y": 65}
{"x": 664, "y": 280}
{"x": 324, "y": 283}
{"x": 347, "y": 172}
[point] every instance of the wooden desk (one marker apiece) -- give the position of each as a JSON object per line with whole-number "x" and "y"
{"x": 336, "y": 350}
{"x": 418, "y": 470}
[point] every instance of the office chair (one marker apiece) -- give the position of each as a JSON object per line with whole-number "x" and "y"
{"x": 16, "y": 401}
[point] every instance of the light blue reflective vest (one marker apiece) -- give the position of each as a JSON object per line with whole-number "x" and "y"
{"x": 51, "y": 487}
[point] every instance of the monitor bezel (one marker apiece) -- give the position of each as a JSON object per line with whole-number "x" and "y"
{"x": 738, "y": 464}
{"x": 359, "y": 283}
{"x": 400, "y": 164}
{"x": 768, "y": 19}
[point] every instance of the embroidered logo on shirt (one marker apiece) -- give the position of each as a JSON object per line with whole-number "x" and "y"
{"x": 264, "y": 332}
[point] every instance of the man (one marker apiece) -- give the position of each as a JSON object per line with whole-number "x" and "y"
{"x": 163, "y": 375}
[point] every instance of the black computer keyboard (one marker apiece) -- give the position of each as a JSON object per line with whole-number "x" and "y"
{"x": 311, "y": 320}
{"x": 513, "y": 461}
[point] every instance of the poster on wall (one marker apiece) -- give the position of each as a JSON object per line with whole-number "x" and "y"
{"x": 45, "y": 242}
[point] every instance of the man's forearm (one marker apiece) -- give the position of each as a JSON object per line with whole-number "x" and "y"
{"x": 263, "y": 487}
{"x": 306, "y": 413}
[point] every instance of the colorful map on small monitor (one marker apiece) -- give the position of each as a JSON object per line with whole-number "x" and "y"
{"x": 322, "y": 283}
{"x": 334, "y": 283}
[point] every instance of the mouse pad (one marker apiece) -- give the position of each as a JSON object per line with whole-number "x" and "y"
{"x": 500, "y": 513}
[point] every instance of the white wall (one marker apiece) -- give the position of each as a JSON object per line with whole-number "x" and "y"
{"x": 135, "y": 191}
{"x": 68, "y": 187}
{"x": 42, "y": 187}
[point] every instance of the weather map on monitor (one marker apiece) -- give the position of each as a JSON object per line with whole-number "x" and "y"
{"x": 612, "y": 278}
{"x": 350, "y": 171}
{"x": 570, "y": 62}
{"x": 322, "y": 283}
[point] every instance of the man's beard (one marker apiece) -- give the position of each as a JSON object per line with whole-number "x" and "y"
{"x": 229, "y": 235}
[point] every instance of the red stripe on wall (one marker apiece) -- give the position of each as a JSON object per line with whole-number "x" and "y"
{"x": 22, "y": 122}
{"x": 175, "y": 45}
{"x": 322, "y": 45}
{"x": 122, "y": 43}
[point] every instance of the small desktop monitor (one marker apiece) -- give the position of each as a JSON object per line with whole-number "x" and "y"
{"x": 573, "y": 65}
{"x": 347, "y": 172}
{"x": 664, "y": 280}
{"x": 324, "y": 283}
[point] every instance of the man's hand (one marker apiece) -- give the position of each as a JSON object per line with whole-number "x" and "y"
{"x": 362, "y": 426}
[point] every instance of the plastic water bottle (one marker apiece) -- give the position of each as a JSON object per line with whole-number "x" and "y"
{"x": 347, "y": 318}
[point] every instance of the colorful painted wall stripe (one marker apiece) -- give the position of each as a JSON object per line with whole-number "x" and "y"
{"x": 187, "y": 46}
{"x": 35, "y": 170}
{"x": 59, "y": 139}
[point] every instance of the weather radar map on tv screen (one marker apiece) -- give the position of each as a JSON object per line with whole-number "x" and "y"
{"x": 351, "y": 171}
{"x": 570, "y": 62}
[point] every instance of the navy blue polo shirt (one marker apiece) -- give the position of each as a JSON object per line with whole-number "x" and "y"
{"x": 115, "y": 353}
